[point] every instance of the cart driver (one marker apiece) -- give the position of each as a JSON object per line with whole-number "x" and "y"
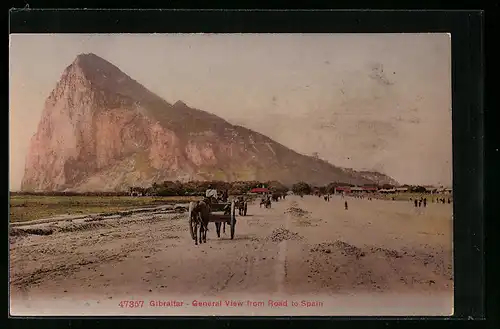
{"x": 211, "y": 194}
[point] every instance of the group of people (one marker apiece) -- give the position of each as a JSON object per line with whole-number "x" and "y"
{"x": 443, "y": 200}
{"x": 423, "y": 201}
{"x": 419, "y": 202}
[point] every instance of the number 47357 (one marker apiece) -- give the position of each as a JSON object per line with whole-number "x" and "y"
{"x": 131, "y": 303}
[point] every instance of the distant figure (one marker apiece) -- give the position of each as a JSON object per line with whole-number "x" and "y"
{"x": 425, "y": 202}
{"x": 416, "y": 203}
{"x": 449, "y": 201}
{"x": 420, "y": 203}
{"x": 345, "y": 205}
{"x": 225, "y": 196}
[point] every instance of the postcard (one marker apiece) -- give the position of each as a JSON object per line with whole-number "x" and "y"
{"x": 230, "y": 174}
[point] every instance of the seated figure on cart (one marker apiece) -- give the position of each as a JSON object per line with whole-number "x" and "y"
{"x": 211, "y": 194}
{"x": 213, "y": 197}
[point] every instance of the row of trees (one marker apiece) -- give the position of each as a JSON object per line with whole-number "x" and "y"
{"x": 176, "y": 188}
{"x": 171, "y": 188}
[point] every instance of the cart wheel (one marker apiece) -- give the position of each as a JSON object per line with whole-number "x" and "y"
{"x": 233, "y": 219}
{"x": 191, "y": 228}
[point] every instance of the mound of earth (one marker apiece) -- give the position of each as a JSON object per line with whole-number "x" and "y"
{"x": 282, "y": 234}
{"x": 298, "y": 212}
{"x": 339, "y": 246}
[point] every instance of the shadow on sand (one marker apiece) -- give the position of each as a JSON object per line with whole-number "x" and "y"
{"x": 241, "y": 237}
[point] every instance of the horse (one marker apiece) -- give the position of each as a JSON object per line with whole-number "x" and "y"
{"x": 200, "y": 215}
{"x": 266, "y": 201}
{"x": 262, "y": 202}
{"x": 240, "y": 205}
{"x": 275, "y": 197}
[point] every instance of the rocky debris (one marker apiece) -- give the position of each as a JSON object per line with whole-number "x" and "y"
{"x": 282, "y": 234}
{"x": 82, "y": 227}
{"x": 306, "y": 223}
{"x": 93, "y": 219}
{"x": 350, "y": 250}
{"x": 298, "y": 212}
{"x": 434, "y": 260}
{"x": 180, "y": 208}
{"x": 177, "y": 217}
{"x": 34, "y": 231}
{"x": 390, "y": 253}
{"x": 339, "y": 246}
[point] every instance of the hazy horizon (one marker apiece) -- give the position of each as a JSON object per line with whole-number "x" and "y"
{"x": 378, "y": 102}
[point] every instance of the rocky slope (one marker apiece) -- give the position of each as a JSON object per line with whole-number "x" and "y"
{"x": 102, "y": 130}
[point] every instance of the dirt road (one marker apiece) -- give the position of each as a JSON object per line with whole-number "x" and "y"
{"x": 377, "y": 257}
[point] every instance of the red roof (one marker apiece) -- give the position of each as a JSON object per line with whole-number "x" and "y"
{"x": 370, "y": 188}
{"x": 343, "y": 188}
{"x": 259, "y": 190}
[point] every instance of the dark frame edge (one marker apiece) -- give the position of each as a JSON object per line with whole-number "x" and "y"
{"x": 466, "y": 28}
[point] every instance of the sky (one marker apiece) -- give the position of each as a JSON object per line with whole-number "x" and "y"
{"x": 364, "y": 101}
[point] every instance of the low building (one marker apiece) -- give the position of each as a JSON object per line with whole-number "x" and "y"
{"x": 431, "y": 189}
{"x": 259, "y": 190}
{"x": 343, "y": 190}
{"x": 445, "y": 190}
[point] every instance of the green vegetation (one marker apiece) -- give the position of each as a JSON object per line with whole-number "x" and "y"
{"x": 173, "y": 188}
{"x": 301, "y": 188}
{"x": 30, "y": 207}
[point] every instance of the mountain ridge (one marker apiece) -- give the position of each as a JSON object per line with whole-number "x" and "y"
{"x": 103, "y": 130}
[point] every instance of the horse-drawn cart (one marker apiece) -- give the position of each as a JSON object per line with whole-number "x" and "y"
{"x": 220, "y": 214}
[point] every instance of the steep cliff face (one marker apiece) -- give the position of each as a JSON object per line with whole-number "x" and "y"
{"x": 102, "y": 130}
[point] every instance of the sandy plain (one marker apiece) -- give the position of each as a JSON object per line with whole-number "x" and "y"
{"x": 379, "y": 257}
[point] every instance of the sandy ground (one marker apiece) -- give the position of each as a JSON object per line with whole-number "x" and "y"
{"x": 376, "y": 258}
